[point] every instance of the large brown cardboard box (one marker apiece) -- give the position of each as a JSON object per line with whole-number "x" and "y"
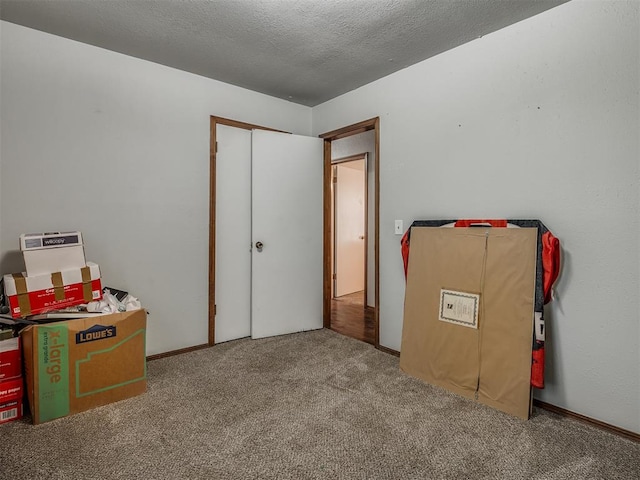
{"x": 468, "y": 315}
{"x": 77, "y": 365}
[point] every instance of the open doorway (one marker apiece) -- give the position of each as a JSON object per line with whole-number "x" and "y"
{"x": 349, "y": 210}
{"x": 349, "y": 247}
{"x": 351, "y": 242}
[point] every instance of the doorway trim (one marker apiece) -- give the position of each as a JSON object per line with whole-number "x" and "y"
{"x": 213, "y": 124}
{"x": 348, "y": 131}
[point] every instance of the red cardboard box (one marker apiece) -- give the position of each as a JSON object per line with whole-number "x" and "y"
{"x": 43, "y": 293}
{"x": 11, "y": 393}
{"x": 10, "y": 359}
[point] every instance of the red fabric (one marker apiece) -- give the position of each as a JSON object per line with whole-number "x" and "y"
{"x": 493, "y": 223}
{"x": 404, "y": 249}
{"x": 550, "y": 263}
{"x": 537, "y": 367}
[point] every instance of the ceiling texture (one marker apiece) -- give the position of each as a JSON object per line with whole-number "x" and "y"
{"x": 304, "y": 51}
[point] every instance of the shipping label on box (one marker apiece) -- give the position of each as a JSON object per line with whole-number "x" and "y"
{"x": 10, "y": 359}
{"x": 43, "y": 293}
{"x": 11, "y": 393}
{"x": 80, "y": 364}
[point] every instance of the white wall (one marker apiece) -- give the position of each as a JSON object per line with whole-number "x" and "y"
{"x": 538, "y": 120}
{"x": 118, "y": 148}
{"x": 353, "y": 145}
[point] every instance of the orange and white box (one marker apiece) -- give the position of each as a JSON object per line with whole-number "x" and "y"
{"x": 31, "y": 295}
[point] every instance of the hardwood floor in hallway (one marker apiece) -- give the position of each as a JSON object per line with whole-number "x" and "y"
{"x": 350, "y": 317}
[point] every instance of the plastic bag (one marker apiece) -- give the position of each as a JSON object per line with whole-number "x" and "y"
{"x": 110, "y": 304}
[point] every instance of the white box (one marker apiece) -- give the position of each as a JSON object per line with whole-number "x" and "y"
{"x": 49, "y": 260}
{"x": 52, "y": 252}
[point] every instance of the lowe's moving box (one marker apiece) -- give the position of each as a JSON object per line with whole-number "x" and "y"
{"x": 52, "y": 252}
{"x": 30, "y": 295}
{"x": 77, "y": 365}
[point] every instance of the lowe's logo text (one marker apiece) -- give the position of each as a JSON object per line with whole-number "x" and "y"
{"x": 97, "y": 332}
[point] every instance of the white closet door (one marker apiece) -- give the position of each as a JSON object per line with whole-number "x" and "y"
{"x": 287, "y": 212}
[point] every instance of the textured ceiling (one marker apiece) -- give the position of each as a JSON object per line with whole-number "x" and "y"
{"x": 305, "y": 51}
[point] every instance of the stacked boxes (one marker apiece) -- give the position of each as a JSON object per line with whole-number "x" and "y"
{"x": 11, "y": 384}
{"x": 57, "y": 275}
{"x": 73, "y": 365}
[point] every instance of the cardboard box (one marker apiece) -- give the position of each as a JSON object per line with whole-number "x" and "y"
{"x": 52, "y": 252}
{"x": 468, "y": 314}
{"x": 10, "y": 359}
{"x": 39, "y": 262}
{"x": 80, "y": 364}
{"x": 32, "y": 295}
{"x": 11, "y": 393}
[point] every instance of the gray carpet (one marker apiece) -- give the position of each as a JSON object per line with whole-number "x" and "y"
{"x": 313, "y": 405}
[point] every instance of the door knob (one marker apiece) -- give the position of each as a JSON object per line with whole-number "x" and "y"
{"x": 259, "y": 246}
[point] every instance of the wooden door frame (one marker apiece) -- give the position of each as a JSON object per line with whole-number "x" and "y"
{"x": 360, "y": 127}
{"x": 355, "y": 129}
{"x": 354, "y": 158}
{"x": 214, "y": 122}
